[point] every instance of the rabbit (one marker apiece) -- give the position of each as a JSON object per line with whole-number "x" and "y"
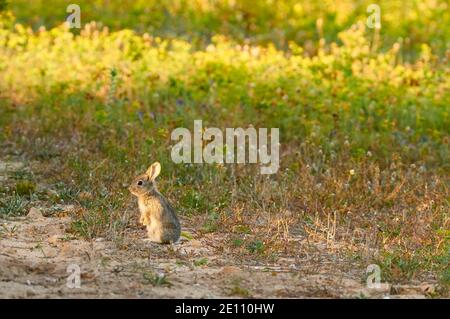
{"x": 157, "y": 214}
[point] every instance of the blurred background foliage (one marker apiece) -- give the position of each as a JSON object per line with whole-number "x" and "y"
{"x": 257, "y": 22}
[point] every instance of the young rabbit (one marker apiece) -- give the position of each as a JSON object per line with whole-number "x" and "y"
{"x": 157, "y": 214}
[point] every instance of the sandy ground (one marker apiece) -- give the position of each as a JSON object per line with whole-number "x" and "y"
{"x": 39, "y": 259}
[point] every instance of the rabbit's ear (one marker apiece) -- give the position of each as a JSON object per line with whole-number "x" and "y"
{"x": 153, "y": 171}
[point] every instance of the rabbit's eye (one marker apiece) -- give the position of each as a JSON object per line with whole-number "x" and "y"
{"x": 140, "y": 183}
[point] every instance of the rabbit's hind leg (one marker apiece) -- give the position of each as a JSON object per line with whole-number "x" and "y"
{"x": 153, "y": 234}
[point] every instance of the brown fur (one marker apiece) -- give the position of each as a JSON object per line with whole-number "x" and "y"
{"x": 157, "y": 214}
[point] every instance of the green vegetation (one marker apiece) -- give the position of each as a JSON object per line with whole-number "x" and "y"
{"x": 238, "y": 290}
{"x": 363, "y": 117}
{"x": 201, "y": 262}
{"x": 156, "y": 279}
{"x": 257, "y": 22}
{"x": 13, "y": 206}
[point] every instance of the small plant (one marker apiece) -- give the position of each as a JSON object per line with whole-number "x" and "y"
{"x": 243, "y": 229}
{"x": 194, "y": 202}
{"x": 112, "y": 87}
{"x": 237, "y": 242}
{"x": 25, "y": 188}
{"x": 256, "y": 247}
{"x": 187, "y": 235}
{"x": 399, "y": 266}
{"x": 13, "y": 206}
{"x": 238, "y": 290}
{"x": 5, "y": 231}
{"x": 156, "y": 279}
{"x": 201, "y": 262}
{"x": 211, "y": 223}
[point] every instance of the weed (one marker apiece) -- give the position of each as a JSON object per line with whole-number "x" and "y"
{"x": 12, "y": 206}
{"x": 238, "y": 290}
{"x": 25, "y": 187}
{"x": 237, "y": 242}
{"x": 200, "y": 262}
{"x": 256, "y": 247}
{"x": 156, "y": 279}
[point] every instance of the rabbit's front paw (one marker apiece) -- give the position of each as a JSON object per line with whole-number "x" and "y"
{"x": 144, "y": 220}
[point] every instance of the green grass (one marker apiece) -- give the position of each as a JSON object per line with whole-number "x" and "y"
{"x": 364, "y": 125}
{"x": 156, "y": 279}
{"x": 256, "y": 247}
{"x": 12, "y": 206}
{"x": 25, "y": 187}
{"x": 201, "y": 262}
